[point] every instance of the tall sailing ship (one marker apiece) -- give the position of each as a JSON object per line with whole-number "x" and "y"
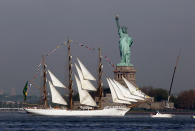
{"x": 127, "y": 97}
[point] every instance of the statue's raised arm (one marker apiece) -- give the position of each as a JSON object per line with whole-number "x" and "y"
{"x": 117, "y": 22}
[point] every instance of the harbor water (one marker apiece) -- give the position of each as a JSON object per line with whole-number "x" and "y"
{"x": 20, "y": 121}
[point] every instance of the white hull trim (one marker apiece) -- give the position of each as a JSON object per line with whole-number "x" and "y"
{"x": 64, "y": 112}
{"x": 162, "y": 115}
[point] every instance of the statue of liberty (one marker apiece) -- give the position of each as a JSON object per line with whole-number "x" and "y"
{"x": 124, "y": 44}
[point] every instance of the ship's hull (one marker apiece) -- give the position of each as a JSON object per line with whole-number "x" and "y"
{"x": 64, "y": 112}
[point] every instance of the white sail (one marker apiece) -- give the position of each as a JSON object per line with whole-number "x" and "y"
{"x": 56, "y": 97}
{"x": 114, "y": 95}
{"x": 85, "y": 97}
{"x": 86, "y": 74}
{"x": 55, "y": 80}
{"x": 119, "y": 93}
{"x": 85, "y": 84}
{"x": 134, "y": 90}
{"x": 127, "y": 93}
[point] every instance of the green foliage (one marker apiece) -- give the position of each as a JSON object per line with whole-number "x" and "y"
{"x": 159, "y": 94}
{"x": 186, "y": 100}
{"x": 173, "y": 99}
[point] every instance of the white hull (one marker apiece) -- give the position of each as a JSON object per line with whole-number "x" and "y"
{"x": 193, "y": 117}
{"x": 64, "y": 112}
{"x": 159, "y": 115}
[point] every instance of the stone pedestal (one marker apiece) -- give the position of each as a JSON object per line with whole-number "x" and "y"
{"x": 127, "y": 72}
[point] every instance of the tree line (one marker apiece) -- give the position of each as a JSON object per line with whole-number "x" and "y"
{"x": 184, "y": 100}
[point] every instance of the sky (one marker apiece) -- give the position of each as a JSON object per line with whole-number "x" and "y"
{"x": 159, "y": 29}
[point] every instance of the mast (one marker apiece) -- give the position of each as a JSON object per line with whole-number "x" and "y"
{"x": 70, "y": 76}
{"x": 45, "y": 104}
{"x": 100, "y": 79}
{"x": 173, "y": 75}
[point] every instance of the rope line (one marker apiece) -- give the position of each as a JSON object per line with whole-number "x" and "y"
{"x": 81, "y": 44}
{"x": 38, "y": 67}
{"x": 84, "y": 45}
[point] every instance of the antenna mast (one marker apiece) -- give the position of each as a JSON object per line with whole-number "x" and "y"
{"x": 173, "y": 75}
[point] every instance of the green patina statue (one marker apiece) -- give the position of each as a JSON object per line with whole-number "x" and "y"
{"x": 124, "y": 44}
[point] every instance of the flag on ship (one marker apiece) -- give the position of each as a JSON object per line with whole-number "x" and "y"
{"x": 25, "y": 90}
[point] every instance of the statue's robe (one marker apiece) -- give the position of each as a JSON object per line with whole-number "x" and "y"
{"x": 125, "y": 43}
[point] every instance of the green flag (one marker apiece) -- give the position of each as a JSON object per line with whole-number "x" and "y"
{"x": 25, "y": 90}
